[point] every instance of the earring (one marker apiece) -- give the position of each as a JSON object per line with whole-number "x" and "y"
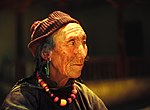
{"x": 50, "y": 59}
{"x": 50, "y": 55}
{"x": 47, "y": 69}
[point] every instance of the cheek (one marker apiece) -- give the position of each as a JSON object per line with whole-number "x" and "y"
{"x": 65, "y": 59}
{"x": 68, "y": 54}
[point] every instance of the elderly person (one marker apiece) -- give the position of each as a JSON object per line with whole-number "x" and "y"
{"x": 58, "y": 44}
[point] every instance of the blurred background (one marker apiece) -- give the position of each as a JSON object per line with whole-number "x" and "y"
{"x": 118, "y": 69}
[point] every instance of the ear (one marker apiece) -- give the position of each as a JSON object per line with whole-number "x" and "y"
{"x": 46, "y": 55}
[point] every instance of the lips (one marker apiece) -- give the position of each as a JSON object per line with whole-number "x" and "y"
{"x": 77, "y": 64}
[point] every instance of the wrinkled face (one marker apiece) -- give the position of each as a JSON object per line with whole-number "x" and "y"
{"x": 70, "y": 50}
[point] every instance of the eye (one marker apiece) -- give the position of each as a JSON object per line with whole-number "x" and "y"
{"x": 71, "y": 42}
{"x": 84, "y": 42}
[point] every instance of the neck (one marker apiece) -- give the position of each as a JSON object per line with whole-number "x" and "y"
{"x": 60, "y": 79}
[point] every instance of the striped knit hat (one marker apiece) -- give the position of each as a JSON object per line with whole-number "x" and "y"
{"x": 42, "y": 29}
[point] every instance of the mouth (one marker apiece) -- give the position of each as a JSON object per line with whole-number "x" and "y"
{"x": 77, "y": 64}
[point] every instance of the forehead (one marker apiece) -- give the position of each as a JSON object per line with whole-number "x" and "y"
{"x": 70, "y": 30}
{"x": 73, "y": 29}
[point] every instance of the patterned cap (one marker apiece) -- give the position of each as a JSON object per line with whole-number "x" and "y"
{"x": 42, "y": 29}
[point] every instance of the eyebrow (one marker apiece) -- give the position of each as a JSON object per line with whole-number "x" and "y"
{"x": 84, "y": 36}
{"x": 71, "y": 38}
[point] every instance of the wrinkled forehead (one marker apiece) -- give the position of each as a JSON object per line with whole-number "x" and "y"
{"x": 70, "y": 30}
{"x": 73, "y": 29}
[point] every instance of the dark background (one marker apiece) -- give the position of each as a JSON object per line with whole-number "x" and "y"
{"x": 118, "y": 40}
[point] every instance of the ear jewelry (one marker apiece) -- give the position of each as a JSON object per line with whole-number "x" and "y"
{"x": 47, "y": 68}
{"x": 47, "y": 65}
{"x": 50, "y": 55}
{"x": 50, "y": 59}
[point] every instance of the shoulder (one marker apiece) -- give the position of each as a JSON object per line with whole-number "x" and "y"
{"x": 82, "y": 87}
{"x": 25, "y": 89}
{"x": 95, "y": 102}
{"x": 23, "y": 96}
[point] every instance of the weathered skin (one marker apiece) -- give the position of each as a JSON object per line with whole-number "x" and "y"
{"x": 67, "y": 57}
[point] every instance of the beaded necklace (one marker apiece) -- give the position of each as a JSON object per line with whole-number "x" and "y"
{"x": 56, "y": 99}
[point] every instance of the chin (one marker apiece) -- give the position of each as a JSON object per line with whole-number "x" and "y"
{"x": 75, "y": 75}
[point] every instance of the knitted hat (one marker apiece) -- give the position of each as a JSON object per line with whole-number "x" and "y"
{"x": 43, "y": 29}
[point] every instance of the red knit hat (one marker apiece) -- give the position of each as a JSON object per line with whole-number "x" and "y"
{"x": 43, "y": 29}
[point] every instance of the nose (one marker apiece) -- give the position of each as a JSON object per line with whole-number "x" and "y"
{"x": 82, "y": 51}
